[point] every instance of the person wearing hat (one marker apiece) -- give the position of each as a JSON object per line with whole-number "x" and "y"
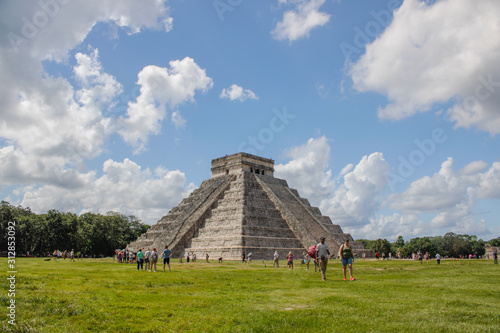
{"x": 322, "y": 253}
{"x": 345, "y": 254}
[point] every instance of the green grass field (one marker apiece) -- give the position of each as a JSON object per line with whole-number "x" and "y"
{"x": 387, "y": 296}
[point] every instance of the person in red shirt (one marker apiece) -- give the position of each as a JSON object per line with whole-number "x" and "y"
{"x": 290, "y": 260}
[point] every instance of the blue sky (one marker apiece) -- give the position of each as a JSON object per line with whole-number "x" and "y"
{"x": 384, "y": 114}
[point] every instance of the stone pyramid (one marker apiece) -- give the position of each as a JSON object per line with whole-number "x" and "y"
{"x": 243, "y": 209}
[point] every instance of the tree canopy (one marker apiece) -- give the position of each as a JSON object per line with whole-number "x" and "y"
{"x": 89, "y": 233}
{"x": 450, "y": 245}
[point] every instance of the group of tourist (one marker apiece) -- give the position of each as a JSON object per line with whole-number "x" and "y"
{"x": 145, "y": 260}
{"x": 345, "y": 255}
{"x": 66, "y": 254}
{"x": 191, "y": 257}
{"x": 320, "y": 254}
{"x": 125, "y": 256}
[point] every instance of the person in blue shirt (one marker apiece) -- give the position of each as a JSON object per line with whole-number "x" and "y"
{"x": 166, "y": 258}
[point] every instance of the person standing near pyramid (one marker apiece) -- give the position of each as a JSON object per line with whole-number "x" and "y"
{"x": 276, "y": 259}
{"x": 322, "y": 253}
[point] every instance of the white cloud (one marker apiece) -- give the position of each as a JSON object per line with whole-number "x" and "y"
{"x": 414, "y": 62}
{"x": 298, "y": 23}
{"x": 356, "y": 200}
{"x": 349, "y": 199}
{"x": 390, "y": 227}
{"x": 160, "y": 87}
{"x": 124, "y": 187}
{"x": 448, "y": 189}
{"x": 308, "y": 169}
{"x": 178, "y": 120}
{"x": 49, "y": 126}
{"x": 52, "y": 28}
{"x": 235, "y": 92}
{"x": 451, "y": 195}
{"x": 489, "y": 185}
{"x": 358, "y": 197}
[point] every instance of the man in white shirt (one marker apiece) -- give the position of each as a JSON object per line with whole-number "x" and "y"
{"x": 276, "y": 259}
{"x": 147, "y": 258}
{"x": 322, "y": 253}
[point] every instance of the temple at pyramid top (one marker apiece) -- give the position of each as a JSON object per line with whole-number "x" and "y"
{"x": 243, "y": 209}
{"x": 242, "y": 162}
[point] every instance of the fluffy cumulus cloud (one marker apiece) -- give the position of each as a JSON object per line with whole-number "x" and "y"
{"x": 448, "y": 189}
{"x": 452, "y": 195}
{"x": 359, "y": 194}
{"x": 237, "y": 93}
{"x": 50, "y": 125}
{"x": 298, "y": 22}
{"x": 414, "y": 62}
{"x": 161, "y": 87}
{"x": 49, "y": 29}
{"x": 352, "y": 197}
{"x": 124, "y": 187}
{"x": 308, "y": 169}
{"x": 357, "y": 197}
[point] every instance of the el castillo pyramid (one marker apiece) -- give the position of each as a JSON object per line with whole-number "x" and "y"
{"x": 243, "y": 209}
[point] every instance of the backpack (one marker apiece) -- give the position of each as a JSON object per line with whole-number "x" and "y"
{"x": 312, "y": 251}
{"x": 154, "y": 255}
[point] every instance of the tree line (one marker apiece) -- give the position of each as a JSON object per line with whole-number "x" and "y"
{"x": 88, "y": 233}
{"x": 450, "y": 245}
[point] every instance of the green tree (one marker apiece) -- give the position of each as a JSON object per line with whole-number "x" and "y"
{"x": 89, "y": 233}
{"x": 495, "y": 242}
{"x": 400, "y": 242}
{"x": 381, "y": 246}
{"x": 367, "y": 244}
{"x": 422, "y": 244}
{"x": 30, "y": 234}
{"x": 478, "y": 247}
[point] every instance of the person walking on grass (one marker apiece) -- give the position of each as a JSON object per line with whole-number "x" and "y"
{"x": 290, "y": 260}
{"x": 166, "y": 258}
{"x": 495, "y": 257}
{"x": 243, "y": 258}
{"x": 276, "y": 259}
{"x": 72, "y": 255}
{"x": 147, "y": 257}
{"x": 140, "y": 259}
{"x": 438, "y": 258}
{"x": 154, "y": 259}
{"x": 345, "y": 254}
{"x": 307, "y": 259}
{"x": 206, "y": 257}
{"x": 322, "y": 253}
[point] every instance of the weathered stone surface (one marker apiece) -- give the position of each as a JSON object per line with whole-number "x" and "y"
{"x": 243, "y": 209}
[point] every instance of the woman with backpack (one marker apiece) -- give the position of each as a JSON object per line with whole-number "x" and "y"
{"x": 154, "y": 259}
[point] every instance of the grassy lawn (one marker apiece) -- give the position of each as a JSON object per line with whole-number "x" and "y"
{"x": 387, "y": 296}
